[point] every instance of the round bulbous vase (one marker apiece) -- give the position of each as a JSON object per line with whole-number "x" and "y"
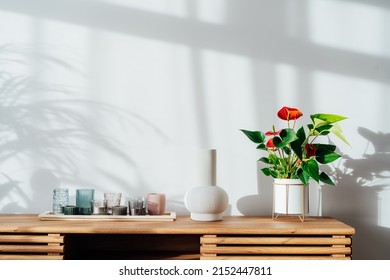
{"x": 206, "y": 203}
{"x": 291, "y": 197}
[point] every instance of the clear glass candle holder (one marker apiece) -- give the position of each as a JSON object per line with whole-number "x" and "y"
{"x": 60, "y": 200}
{"x": 99, "y": 207}
{"x": 113, "y": 199}
{"x": 137, "y": 206}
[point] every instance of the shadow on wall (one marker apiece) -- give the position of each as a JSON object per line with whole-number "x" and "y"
{"x": 356, "y": 199}
{"x": 46, "y": 128}
{"x": 261, "y": 203}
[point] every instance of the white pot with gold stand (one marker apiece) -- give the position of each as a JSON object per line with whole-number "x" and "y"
{"x": 290, "y": 197}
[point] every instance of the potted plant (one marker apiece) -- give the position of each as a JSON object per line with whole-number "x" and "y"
{"x": 294, "y": 157}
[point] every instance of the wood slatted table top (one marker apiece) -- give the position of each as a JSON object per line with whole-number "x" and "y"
{"x": 30, "y": 223}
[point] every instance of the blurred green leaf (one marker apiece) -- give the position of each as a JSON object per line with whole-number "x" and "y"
{"x": 286, "y": 136}
{"x": 336, "y": 130}
{"x": 264, "y": 159}
{"x": 325, "y": 158}
{"x": 255, "y": 136}
{"x": 262, "y": 146}
{"x": 266, "y": 171}
{"x": 303, "y": 176}
{"x": 310, "y": 167}
{"x": 324, "y": 119}
{"x": 326, "y": 179}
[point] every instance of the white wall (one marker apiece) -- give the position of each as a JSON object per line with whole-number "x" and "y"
{"x": 127, "y": 95}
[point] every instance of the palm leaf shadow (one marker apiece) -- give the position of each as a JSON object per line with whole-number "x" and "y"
{"x": 58, "y": 128}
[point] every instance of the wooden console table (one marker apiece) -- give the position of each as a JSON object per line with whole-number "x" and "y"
{"x": 235, "y": 237}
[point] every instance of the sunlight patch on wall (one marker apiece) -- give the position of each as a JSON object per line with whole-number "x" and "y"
{"x": 211, "y": 11}
{"x": 152, "y": 79}
{"x": 286, "y": 85}
{"x": 228, "y": 90}
{"x": 20, "y": 31}
{"x": 62, "y": 52}
{"x": 230, "y": 104}
{"x": 350, "y": 26}
{"x": 346, "y": 93}
{"x": 175, "y": 8}
{"x": 15, "y": 42}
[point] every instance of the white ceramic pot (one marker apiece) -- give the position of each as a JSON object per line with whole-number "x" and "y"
{"x": 206, "y": 203}
{"x": 291, "y": 196}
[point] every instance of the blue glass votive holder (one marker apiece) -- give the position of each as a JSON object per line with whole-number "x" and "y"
{"x": 83, "y": 201}
{"x": 71, "y": 210}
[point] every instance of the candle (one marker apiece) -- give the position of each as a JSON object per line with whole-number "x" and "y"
{"x": 156, "y": 203}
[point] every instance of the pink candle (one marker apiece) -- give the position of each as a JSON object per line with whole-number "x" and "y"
{"x": 156, "y": 203}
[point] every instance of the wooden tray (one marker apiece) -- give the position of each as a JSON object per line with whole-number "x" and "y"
{"x": 167, "y": 217}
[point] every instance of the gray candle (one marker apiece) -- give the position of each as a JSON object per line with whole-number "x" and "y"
{"x": 119, "y": 210}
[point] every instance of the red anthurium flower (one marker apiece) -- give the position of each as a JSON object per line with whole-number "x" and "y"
{"x": 270, "y": 144}
{"x": 288, "y": 113}
{"x": 271, "y": 133}
{"x": 310, "y": 150}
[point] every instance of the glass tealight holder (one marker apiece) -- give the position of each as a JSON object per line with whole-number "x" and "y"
{"x": 99, "y": 207}
{"x": 71, "y": 210}
{"x": 137, "y": 206}
{"x": 83, "y": 201}
{"x": 60, "y": 200}
{"x": 113, "y": 199}
{"x": 119, "y": 210}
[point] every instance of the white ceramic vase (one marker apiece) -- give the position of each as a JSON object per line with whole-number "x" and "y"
{"x": 206, "y": 203}
{"x": 291, "y": 197}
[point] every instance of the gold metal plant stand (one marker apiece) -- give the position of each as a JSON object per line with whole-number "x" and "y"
{"x": 300, "y": 216}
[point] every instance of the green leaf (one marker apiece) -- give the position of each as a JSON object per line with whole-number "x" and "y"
{"x": 264, "y": 159}
{"x": 262, "y": 146}
{"x": 324, "y": 128}
{"x": 273, "y": 159}
{"x": 269, "y": 172}
{"x": 325, "y": 153}
{"x": 336, "y": 130}
{"x": 296, "y": 146}
{"x": 325, "y": 132}
{"x": 278, "y": 142}
{"x": 326, "y": 118}
{"x": 326, "y": 179}
{"x": 328, "y": 147}
{"x": 287, "y": 150}
{"x": 274, "y": 173}
{"x": 310, "y": 167}
{"x": 303, "y": 176}
{"x": 255, "y": 136}
{"x": 323, "y": 157}
{"x": 286, "y": 136}
{"x": 301, "y": 135}
{"x": 266, "y": 171}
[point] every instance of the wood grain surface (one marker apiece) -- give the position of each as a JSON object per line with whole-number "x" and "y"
{"x": 30, "y": 223}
